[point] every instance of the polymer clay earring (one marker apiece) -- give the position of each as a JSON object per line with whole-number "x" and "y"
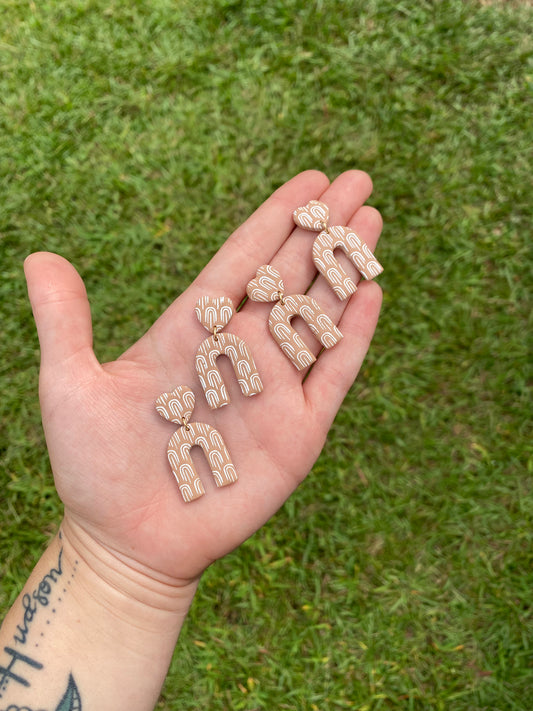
{"x": 177, "y": 407}
{"x": 268, "y": 286}
{"x": 315, "y": 217}
{"x": 214, "y": 314}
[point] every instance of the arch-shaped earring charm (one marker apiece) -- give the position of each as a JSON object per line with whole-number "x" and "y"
{"x": 177, "y": 407}
{"x": 315, "y": 217}
{"x": 214, "y": 314}
{"x": 268, "y": 286}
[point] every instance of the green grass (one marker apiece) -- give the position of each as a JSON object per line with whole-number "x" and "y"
{"x": 134, "y": 137}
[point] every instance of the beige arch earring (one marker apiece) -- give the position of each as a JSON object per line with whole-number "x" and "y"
{"x": 214, "y": 314}
{"x": 268, "y": 286}
{"x": 177, "y": 407}
{"x": 315, "y": 217}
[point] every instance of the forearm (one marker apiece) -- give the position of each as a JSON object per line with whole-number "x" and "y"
{"x": 89, "y": 632}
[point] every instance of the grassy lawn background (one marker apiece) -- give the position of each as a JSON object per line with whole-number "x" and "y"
{"x": 134, "y": 137}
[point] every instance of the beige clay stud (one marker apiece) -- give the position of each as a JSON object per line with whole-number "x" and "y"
{"x": 177, "y": 407}
{"x": 315, "y": 217}
{"x": 268, "y": 286}
{"x": 214, "y": 314}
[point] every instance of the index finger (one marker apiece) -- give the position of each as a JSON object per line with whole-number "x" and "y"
{"x": 258, "y": 239}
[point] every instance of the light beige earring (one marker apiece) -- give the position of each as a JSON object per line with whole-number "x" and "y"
{"x": 214, "y": 314}
{"x": 177, "y": 407}
{"x": 315, "y": 217}
{"x": 268, "y": 286}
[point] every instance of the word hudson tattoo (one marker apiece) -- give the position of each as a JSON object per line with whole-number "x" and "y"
{"x": 18, "y": 665}
{"x": 71, "y": 700}
{"x": 39, "y": 598}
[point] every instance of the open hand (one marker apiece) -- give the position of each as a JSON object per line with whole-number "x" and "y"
{"x": 108, "y": 445}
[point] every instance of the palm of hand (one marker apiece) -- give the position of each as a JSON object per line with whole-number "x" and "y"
{"x": 108, "y": 445}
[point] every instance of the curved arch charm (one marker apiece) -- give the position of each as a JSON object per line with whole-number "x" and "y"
{"x": 177, "y": 407}
{"x": 355, "y": 249}
{"x": 315, "y": 216}
{"x": 243, "y": 365}
{"x": 268, "y": 286}
{"x": 214, "y": 448}
{"x": 286, "y": 337}
{"x": 214, "y": 314}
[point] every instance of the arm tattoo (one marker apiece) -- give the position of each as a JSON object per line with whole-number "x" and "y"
{"x": 39, "y": 598}
{"x": 17, "y": 665}
{"x": 71, "y": 701}
{"x": 8, "y": 674}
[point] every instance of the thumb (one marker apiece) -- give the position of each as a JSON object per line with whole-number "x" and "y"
{"x": 61, "y": 311}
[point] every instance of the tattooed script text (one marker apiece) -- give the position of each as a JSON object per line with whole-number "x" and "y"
{"x": 39, "y": 597}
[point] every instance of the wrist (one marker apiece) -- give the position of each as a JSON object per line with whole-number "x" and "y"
{"x": 120, "y": 587}
{"x": 87, "y": 613}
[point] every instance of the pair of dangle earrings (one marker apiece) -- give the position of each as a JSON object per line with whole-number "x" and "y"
{"x": 268, "y": 285}
{"x": 177, "y": 406}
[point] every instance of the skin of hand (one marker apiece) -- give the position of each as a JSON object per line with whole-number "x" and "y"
{"x": 108, "y": 445}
